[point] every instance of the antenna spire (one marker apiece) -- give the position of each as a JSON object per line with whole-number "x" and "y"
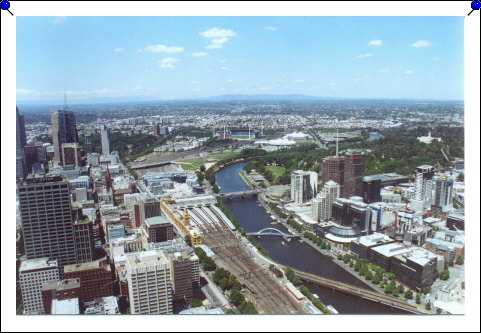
{"x": 337, "y": 143}
{"x": 65, "y": 106}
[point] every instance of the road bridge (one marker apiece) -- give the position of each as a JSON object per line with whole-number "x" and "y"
{"x": 231, "y": 195}
{"x": 360, "y": 292}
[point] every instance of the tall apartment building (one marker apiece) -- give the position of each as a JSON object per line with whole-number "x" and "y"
{"x": 96, "y": 279}
{"x": 422, "y": 187}
{"x": 347, "y": 171}
{"x": 105, "y": 140}
{"x": 59, "y": 290}
{"x": 64, "y": 130}
{"x": 46, "y": 217}
{"x": 322, "y": 203}
{"x": 181, "y": 275}
{"x": 443, "y": 195}
{"x": 21, "y": 142}
{"x": 303, "y": 186}
{"x": 33, "y": 274}
{"x": 371, "y": 189}
{"x": 150, "y": 284}
{"x": 88, "y": 143}
{"x": 70, "y": 153}
{"x": 84, "y": 240}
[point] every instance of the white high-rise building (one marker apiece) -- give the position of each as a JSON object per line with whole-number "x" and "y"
{"x": 150, "y": 284}
{"x": 423, "y": 187}
{"x": 322, "y": 204}
{"x": 33, "y": 274}
{"x": 303, "y": 186}
{"x": 105, "y": 138}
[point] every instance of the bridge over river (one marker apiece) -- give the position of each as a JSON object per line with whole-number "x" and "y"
{"x": 237, "y": 194}
{"x": 360, "y": 292}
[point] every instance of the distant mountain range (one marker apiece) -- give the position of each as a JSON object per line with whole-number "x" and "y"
{"x": 220, "y": 98}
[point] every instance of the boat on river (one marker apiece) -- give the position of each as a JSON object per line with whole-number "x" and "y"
{"x": 332, "y": 309}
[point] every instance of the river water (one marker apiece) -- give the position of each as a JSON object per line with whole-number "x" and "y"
{"x": 252, "y": 217}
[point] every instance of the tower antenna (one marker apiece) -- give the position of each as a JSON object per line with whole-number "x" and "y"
{"x": 65, "y": 106}
{"x": 337, "y": 143}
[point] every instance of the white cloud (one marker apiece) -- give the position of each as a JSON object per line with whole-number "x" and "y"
{"x": 436, "y": 59}
{"x": 218, "y": 32}
{"x": 224, "y": 68}
{"x": 408, "y": 72}
{"x": 384, "y": 70}
{"x": 299, "y": 80}
{"x": 421, "y": 43}
{"x": 365, "y": 55}
{"x": 168, "y": 62}
{"x": 358, "y": 80}
{"x": 376, "y": 42}
{"x": 119, "y": 49}
{"x": 218, "y": 37}
{"x": 223, "y": 61}
{"x": 199, "y": 54}
{"x": 332, "y": 84}
{"x": 230, "y": 81}
{"x": 271, "y": 28}
{"x": 161, "y": 49}
{"x": 60, "y": 19}
{"x": 25, "y": 92}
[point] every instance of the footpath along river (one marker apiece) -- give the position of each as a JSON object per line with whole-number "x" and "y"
{"x": 252, "y": 217}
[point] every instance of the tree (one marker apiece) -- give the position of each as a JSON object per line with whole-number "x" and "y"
{"x": 408, "y": 294}
{"x": 460, "y": 260}
{"x": 209, "y": 264}
{"x": 195, "y": 303}
{"x": 188, "y": 240}
{"x": 215, "y": 188}
{"x": 247, "y": 308}
{"x": 202, "y": 168}
{"x": 418, "y": 298}
{"x": 395, "y": 293}
{"x": 426, "y": 290}
{"x": 400, "y": 288}
{"x": 444, "y": 275}
{"x": 236, "y": 297}
{"x": 428, "y": 306}
{"x": 376, "y": 279}
{"x": 369, "y": 275}
{"x": 357, "y": 266}
{"x": 438, "y": 310}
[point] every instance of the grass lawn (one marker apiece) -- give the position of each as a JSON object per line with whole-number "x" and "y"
{"x": 191, "y": 164}
{"x": 277, "y": 171}
{"x": 219, "y": 156}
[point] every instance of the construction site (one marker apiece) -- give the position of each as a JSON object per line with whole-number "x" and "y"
{"x": 212, "y": 228}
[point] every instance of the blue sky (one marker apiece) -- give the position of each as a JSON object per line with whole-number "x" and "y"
{"x": 183, "y": 57}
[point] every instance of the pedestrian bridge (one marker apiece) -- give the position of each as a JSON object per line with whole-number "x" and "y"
{"x": 272, "y": 232}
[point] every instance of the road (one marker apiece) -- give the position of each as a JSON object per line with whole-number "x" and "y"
{"x": 215, "y": 296}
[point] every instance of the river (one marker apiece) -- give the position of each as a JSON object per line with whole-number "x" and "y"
{"x": 252, "y": 217}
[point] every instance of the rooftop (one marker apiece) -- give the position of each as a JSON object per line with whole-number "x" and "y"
{"x": 67, "y": 306}
{"x": 156, "y": 220}
{"x": 374, "y": 239}
{"x": 34, "y": 264}
{"x": 391, "y": 249}
{"x": 62, "y": 284}
{"x": 86, "y": 266}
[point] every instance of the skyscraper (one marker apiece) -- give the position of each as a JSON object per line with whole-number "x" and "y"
{"x": 46, "y": 217}
{"x": 64, "y": 130}
{"x": 88, "y": 143}
{"x": 105, "y": 138}
{"x": 21, "y": 141}
{"x": 150, "y": 284}
{"x": 303, "y": 186}
{"x": 347, "y": 171}
{"x": 322, "y": 204}
{"x": 422, "y": 187}
{"x": 443, "y": 189}
{"x": 371, "y": 189}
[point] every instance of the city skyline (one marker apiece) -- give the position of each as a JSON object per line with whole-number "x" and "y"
{"x": 196, "y": 57}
